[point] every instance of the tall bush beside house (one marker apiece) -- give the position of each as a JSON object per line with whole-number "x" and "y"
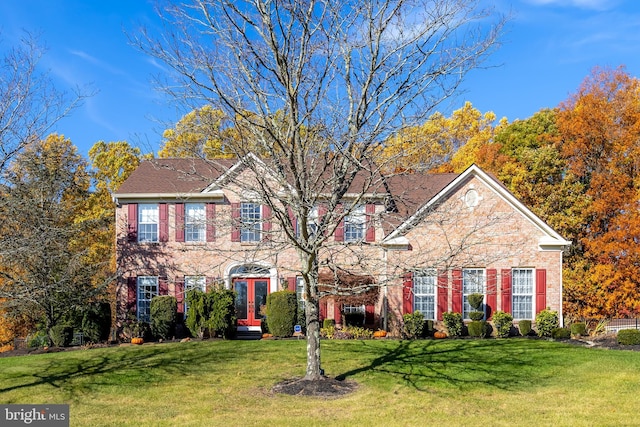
{"x": 503, "y": 323}
{"x": 546, "y": 322}
{"x": 96, "y": 322}
{"x": 198, "y": 314}
{"x": 413, "y": 325}
{"x": 222, "y": 317}
{"x": 478, "y": 326}
{"x": 163, "y": 312}
{"x": 453, "y": 322}
{"x": 282, "y": 308}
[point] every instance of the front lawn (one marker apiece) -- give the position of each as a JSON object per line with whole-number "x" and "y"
{"x": 443, "y": 382}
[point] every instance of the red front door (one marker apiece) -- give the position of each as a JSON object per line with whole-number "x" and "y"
{"x": 251, "y": 296}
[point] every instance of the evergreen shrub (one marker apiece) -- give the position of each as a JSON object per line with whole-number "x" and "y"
{"x": 61, "y": 335}
{"x": 546, "y": 322}
{"x": 525, "y": 327}
{"x": 629, "y": 337}
{"x": 96, "y": 322}
{"x": 282, "y": 307}
{"x": 579, "y": 329}
{"x": 413, "y": 325}
{"x": 163, "y": 311}
{"x": 453, "y": 322}
{"x": 561, "y": 333}
{"x": 503, "y": 323}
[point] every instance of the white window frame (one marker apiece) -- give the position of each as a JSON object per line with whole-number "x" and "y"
{"x": 523, "y": 285}
{"x": 148, "y": 222}
{"x": 193, "y": 282}
{"x": 147, "y": 288}
{"x": 251, "y": 222}
{"x": 195, "y": 222}
{"x": 474, "y": 281}
{"x": 354, "y": 224}
{"x": 425, "y": 286}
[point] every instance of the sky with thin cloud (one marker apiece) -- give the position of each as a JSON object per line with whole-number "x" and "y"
{"x": 548, "y": 48}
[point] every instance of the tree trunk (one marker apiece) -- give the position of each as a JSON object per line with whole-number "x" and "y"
{"x": 312, "y": 311}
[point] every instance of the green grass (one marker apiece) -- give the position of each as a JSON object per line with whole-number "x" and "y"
{"x": 401, "y": 383}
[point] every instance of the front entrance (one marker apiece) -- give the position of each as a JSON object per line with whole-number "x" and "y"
{"x": 251, "y": 295}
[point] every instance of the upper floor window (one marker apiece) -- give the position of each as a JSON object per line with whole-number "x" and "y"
{"x": 195, "y": 221}
{"x": 251, "y": 222}
{"x": 354, "y": 224}
{"x": 424, "y": 293}
{"x": 522, "y": 297}
{"x": 147, "y": 289}
{"x": 473, "y": 282}
{"x": 148, "y": 220}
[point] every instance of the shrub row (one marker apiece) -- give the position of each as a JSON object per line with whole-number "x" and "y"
{"x": 213, "y": 312}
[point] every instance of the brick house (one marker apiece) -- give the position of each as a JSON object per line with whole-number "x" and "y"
{"x": 418, "y": 242}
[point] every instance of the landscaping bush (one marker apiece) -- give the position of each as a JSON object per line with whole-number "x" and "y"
{"x": 61, "y": 335}
{"x": 629, "y": 337}
{"x": 328, "y": 323}
{"x": 561, "y": 333}
{"x": 478, "y": 328}
{"x": 546, "y": 322}
{"x": 282, "y": 307}
{"x": 476, "y": 315}
{"x": 453, "y": 322}
{"x": 328, "y": 331}
{"x": 163, "y": 310}
{"x": 346, "y": 333}
{"x": 96, "y": 322}
{"x": 413, "y": 325}
{"x": 525, "y": 327}
{"x": 199, "y": 310}
{"x": 38, "y": 339}
{"x": 579, "y": 329}
{"x": 475, "y": 301}
{"x": 222, "y": 316}
{"x": 503, "y": 323}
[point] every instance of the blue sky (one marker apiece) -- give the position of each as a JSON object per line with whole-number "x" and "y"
{"x": 550, "y": 46}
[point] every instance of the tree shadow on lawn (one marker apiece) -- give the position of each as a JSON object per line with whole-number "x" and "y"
{"x": 463, "y": 364}
{"x": 76, "y": 374}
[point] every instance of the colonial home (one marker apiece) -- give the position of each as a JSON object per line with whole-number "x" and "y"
{"x": 418, "y": 242}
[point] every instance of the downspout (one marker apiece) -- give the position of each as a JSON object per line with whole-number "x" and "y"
{"x": 384, "y": 291}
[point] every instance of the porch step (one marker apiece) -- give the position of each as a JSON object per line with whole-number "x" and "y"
{"x": 248, "y": 335}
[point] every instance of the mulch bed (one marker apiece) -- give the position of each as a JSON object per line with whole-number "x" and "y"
{"x": 324, "y": 387}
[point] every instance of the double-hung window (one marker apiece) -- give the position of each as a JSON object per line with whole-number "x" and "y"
{"x": 473, "y": 282}
{"x": 190, "y": 283}
{"x": 424, "y": 293}
{"x": 354, "y": 224}
{"x": 251, "y": 222}
{"x": 148, "y": 220}
{"x": 195, "y": 221}
{"x": 147, "y": 289}
{"x": 522, "y": 296}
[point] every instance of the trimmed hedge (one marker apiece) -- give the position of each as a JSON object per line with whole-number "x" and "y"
{"x": 454, "y": 324}
{"x": 478, "y": 328}
{"x": 524, "y": 326}
{"x": 163, "y": 312}
{"x": 561, "y": 334}
{"x": 579, "y": 329}
{"x": 282, "y": 309}
{"x": 629, "y": 337}
{"x": 546, "y": 322}
{"x": 413, "y": 325}
{"x": 503, "y": 323}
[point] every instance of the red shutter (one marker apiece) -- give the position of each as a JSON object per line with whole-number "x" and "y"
{"x": 291, "y": 283}
{"x": 492, "y": 292}
{"x": 339, "y": 234}
{"x": 266, "y": 222}
{"x": 179, "y": 225}
{"x": 407, "y": 293}
{"x": 442, "y": 293}
{"x": 163, "y": 286}
{"x": 456, "y": 296}
{"x": 370, "y": 235}
{"x": 211, "y": 225}
{"x": 506, "y": 291}
{"x": 132, "y": 222}
{"x": 323, "y": 311}
{"x": 132, "y": 294}
{"x": 163, "y": 211}
{"x": 179, "y": 294}
{"x": 235, "y": 218}
{"x": 541, "y": 290}
{"x": 337, "y": 315}
{"x": 369, "y": 314}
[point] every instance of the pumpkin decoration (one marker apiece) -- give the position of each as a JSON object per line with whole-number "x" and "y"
{"x": 380, "y": 334}
{"x": 137, "y": 340}
{"x": 439, "y": 335}
{"x": 266, "y": 335}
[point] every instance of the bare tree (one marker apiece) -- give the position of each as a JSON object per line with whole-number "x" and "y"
{"x": 29, "y": 103}
{"x": 315, "y": 88}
